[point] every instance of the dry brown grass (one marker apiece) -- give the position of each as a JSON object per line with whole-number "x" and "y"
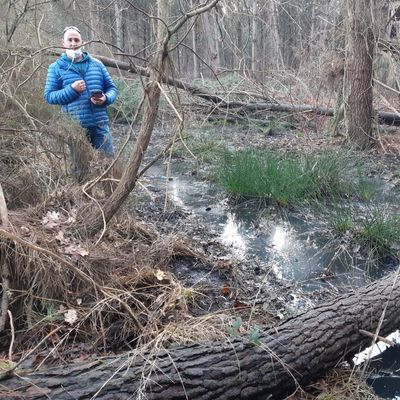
{"x": 338, "y": 384}
{"x": 110, "y": 295}
{"x": 65, "y": 291}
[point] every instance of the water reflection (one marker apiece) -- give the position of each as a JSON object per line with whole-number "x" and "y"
{"x": 174, "y": 191}
{"x": 292, "y": 246}
{"x": 232, "y": 236}
{"x": 279, "y": 238}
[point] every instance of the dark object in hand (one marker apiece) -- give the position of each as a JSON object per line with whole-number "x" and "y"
{"x": 97, "y": 94}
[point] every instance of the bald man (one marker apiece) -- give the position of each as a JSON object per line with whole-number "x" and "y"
{"x": 83, "y": 87}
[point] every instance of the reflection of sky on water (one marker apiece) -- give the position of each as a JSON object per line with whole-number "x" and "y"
{"x": 174, "y": 190}
{"x": 291, "y": 247}
{"x": 232, "y": 237}
{"x": 279, "y": 238}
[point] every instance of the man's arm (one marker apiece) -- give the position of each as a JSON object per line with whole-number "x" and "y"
{"x": 110, "y": 90}
{"x": 54, "y": 93}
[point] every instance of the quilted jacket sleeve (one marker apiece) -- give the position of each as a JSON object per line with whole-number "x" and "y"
{"x": 54, "y": 93}
{"x": 111, "y": 90}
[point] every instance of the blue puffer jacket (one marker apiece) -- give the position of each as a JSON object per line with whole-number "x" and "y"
{"x": 58, "y": 90}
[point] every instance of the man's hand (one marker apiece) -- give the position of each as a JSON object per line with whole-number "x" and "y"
{"x": 79, "y": 86}
{"x": 98, "y": 101}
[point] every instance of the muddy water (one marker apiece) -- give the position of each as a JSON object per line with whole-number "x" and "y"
{"x": 294, "y": 247}
{"x": 298, "y": 248}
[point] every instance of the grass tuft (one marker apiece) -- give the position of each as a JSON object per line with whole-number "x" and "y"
{"x": 286, "y": 179}
{"x": 376, "y": 230}
{"x": 380, "y": 233}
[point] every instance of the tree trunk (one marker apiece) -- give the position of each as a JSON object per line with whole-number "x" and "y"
{"x": 118, "y": 25}
{"x": 212, "y": 40}
{"x": 196, "y": 67}
{"x": 254, "y": 38}
{"x": 276, "y": 54}
{"x": 282, "y": 359}
{"x": 94, "y": 222}
{"x": 360, "y": 47}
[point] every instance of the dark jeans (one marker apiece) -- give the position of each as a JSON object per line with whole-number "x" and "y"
{"x": 101, "y": 139}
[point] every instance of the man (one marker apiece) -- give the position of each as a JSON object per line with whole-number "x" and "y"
{"x": 84, "y": 88}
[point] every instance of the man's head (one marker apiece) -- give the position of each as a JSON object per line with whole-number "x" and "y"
{"x": 72, "y": 37}
{"x": 72, "y": 41}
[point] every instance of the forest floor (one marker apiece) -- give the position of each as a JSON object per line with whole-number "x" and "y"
{"x": 245, "y": 290}
{"x": 190, "y": 287}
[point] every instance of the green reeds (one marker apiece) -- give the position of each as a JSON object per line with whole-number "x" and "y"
{"x": 286, "y": 179}
{"x": 376, "y": 230}
{"x": 380, "y": 233}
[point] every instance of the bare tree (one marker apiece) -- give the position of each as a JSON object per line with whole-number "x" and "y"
{"x": 360, "y": 49}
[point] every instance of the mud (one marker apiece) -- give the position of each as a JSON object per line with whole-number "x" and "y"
{"x": 228, "y": 281}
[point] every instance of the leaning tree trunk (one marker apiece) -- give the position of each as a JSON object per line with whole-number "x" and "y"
{"x": 94, "y": 222}
{"x": 358, "y": 109}
{"x": 291, "y": 355}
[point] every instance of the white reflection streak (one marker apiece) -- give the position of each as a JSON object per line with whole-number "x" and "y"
{"x": 278, "y": 242}
{"x": 231, "y": 236}
{"x": 279, "y": 238}
{"x": 173, "y": 191}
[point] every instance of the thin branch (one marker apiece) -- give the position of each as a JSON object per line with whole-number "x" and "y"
{"x": 198, "y": 10}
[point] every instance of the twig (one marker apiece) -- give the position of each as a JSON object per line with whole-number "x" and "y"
{"x": 12, "y": 335}
{"x": 386, "y": 86}
{"x": 102, "y": 214}
{"x": 15, "y": 366}
{"x": 3, "y": 208}
{"x": 170, "y": 102}
{"x": 5, "y": 272}
{"x": 381, "y": 338}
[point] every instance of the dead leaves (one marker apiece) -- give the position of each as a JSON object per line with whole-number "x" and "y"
{"x": 57, "y": 219}
{"x": 51, "y": 219}
{"x": 160, "y": 275}
{"x": 54, "y": 219}
{"x": 74, "y": 250}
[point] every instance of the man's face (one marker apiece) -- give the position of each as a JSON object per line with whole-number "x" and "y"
{"x": 72, "y": 39}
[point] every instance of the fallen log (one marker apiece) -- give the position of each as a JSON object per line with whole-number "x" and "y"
{"x": 382, "y": 117}
{"x": 292, "y": 355}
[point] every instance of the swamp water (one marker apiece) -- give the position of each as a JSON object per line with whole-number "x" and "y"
{"x": 297, "y": 248}
{"x": 294, "y": 247}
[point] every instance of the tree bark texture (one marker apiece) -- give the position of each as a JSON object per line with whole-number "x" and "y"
{"x": 291, "y": 355}
{"x": 196, "y": 65}
{"x": 358, "y": 94}
{"x": 210, "y": 26}
{"x": 254, "y": 38}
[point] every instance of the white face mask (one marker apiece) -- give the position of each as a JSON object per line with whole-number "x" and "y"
{"x": 74, "y": 53}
